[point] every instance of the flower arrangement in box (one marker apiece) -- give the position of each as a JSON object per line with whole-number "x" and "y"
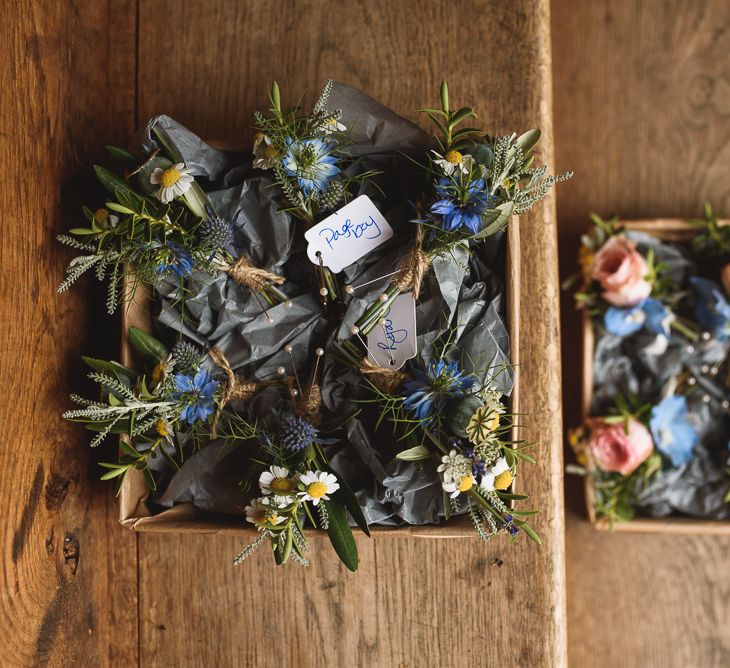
{"x": 655, "y": 441}
{"x": 330, "y": 347}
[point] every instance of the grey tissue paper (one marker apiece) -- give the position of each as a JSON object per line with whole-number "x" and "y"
{"x": 466, "y": 295}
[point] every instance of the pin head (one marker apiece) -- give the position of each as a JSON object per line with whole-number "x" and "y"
{"x": 289, "y": 303}
{"x": 349, "y": 289}
{"x": 319, "y": 352}
{"x": 381, "y": 322}
{"x": 280, "y": 370}
{"x": 355, "y": 329}
{"x": 288, "y": 348}
{"x": 270, "y": 319}
{"x": 383, "y": 297}
{"x": 323, "y": 291}
{"x": 295, "y": 392}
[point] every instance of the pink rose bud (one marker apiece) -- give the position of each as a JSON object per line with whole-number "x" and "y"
{"x": 621, "y": 271}
{"x": 616, "y": 449}
{"x": 725, "y": 278}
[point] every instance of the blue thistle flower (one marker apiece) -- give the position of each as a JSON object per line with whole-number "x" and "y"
{"x": 311, "y": 163}
{"x": 197, "y": 394}
{"x": 297, "y": 433}
{"x": 217, "y": 232}
{"x": 460, "y": 207}
{"x": 174, "y": 259}
{"x": 427, "y": 391}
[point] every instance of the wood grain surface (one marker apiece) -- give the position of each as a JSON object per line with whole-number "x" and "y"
{"x": 399, "y": 609}
{"x": 642, "y": 114}
{"x": 69, "y": 571}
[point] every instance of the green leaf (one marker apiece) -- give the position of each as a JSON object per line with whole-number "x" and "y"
{"x": 168, "y": 458}
{"x": 414, "y": 454}
{"x": 521, "y": 455}
{"x": 146, "y": 344}
{"x": 114, "y": 368}
{"x": 81, "y": 231}
{"x": 113, "y": 472}
{"x": 111, "y": 181}
{"x": 445, "y": 96}
{"x": 528, "y": 530}
{"x": 126, "y": 447}
{"x": 462, "y": 114}
{"x": 122, "y": 156}
{"x": 149, "y": 478}
{"x": 341, "y": 536}
{"x": 495, "y": 219}
{"x": 528, "y": 140}
{"x": 197, "y": 200}
{"x": 287, "y": 546}
{"x": 347, "y": 497}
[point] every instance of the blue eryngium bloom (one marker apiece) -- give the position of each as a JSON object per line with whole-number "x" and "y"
{"x": 712, "y": 311}
{"x": 461, "y": 208}
{"x": 427, "y": 390}
{"x": 174, "y": 259}
{"x": 650, "y": 314}
{"x": 311, "y": 162}
{"x": 673, "y": 435}
{"x": 197, "y": 394}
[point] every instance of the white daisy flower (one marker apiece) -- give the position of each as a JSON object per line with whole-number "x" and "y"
{"x": 333, "y": 125}
{"x": 498, "y": 476}
{"x": 264, "y": 152}
{"x": 173, "y": 181}
{"x": 454, "y": 466}
{"x": 317, "y": 485}
{"x": 458, "y": 485}
{"x": 452, "y": 161}
{"x": 104, "y": 219}
{"x": 277, "y": 482}
{"x": 261, "y": 511}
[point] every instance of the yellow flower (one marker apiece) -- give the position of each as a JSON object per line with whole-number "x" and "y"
{"x": 466, "y": 483}
{"x": 282, "y": 486}
{"x": 161, "y": 426}
{"x": 454, "y": 157}
{"x": 158, "y": 373}
{"x": 100, "y": 215}
{"x": 317, "y": 490}
{"x": 585, "y": 259}
{"x": 503, "y": 480}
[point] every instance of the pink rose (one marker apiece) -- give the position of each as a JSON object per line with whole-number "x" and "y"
{"x": 725, "y": 278}
{"x": 621, "y": 271}
{"x": 616, "y": 450}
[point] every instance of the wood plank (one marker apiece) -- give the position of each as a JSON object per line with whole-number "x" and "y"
{"x": 402, "y": 607}
{"x": 69, "y": 583}
{"x": 642, "y": 99}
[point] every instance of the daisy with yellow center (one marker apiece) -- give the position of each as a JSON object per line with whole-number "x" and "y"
{"x": 498, "y": 477}
{"x": 161, "y": 370}
{"x": 317, "y": 485}
{"x": 104, "y": 219}
{"x": 453, "y": 161}
{"x": 264, "y": 152}
{"x": 260, "y": 511}
{"x": 333, "y": 125}
{"x": 278, "y": 483}
{"x": 173, "y": 181}
{"x": 459, "y": 485}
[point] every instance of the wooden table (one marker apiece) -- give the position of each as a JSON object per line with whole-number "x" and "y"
{"x": 80, "y": 590}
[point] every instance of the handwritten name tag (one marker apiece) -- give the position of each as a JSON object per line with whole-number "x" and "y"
{"x": 393, "y": 342}
{"x": 347, "y": 235}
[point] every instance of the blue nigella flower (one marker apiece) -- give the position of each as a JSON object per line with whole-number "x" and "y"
{"x": 174, "y": 259}
{"x": 673, "y": 435}
{"x": 459, "y": 208}
{"x": 311, "y": 162}
{"x": 428, "y": 389}
{"x": 650, "y": 313}
{"x": 197, "y": 393}
{"x": 712, "y": 311}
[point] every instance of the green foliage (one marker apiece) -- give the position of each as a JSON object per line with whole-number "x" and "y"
{"x": 712, "y": 238}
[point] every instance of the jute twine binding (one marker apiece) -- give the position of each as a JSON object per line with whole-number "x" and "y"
{"x": 413, "y": 267}
{"x": 244, "y": 272}
{"x": 307, "y": 406}
{"x": 386, "y": 379}
{"x": 235, "y": 387}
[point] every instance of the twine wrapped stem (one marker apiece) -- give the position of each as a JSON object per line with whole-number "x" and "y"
{"x": 234, "y": 387}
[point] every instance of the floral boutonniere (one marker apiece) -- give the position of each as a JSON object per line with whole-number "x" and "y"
{"x": 623, "y": 450}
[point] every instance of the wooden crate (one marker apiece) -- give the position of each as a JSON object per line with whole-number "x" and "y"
{"x": 186, "y": 518}
{"x": 665, "y": 229}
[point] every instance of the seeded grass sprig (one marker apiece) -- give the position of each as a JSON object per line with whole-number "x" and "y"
{"x": 478, "y": 183}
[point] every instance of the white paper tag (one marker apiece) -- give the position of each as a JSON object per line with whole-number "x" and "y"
{"x": 348, "y": 234}
{"x": 394, "y": 342}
